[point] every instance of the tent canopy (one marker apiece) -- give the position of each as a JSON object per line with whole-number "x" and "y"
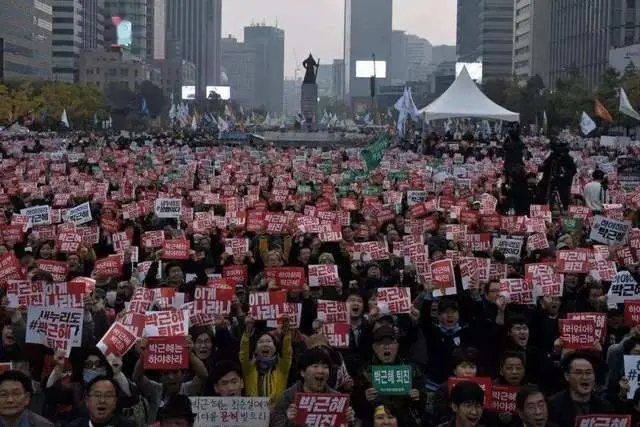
{"x": 464, "y": 99}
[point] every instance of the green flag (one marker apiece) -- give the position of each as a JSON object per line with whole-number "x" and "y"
{"x": 373, "y": 153}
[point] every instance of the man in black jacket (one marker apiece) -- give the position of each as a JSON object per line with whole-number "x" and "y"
{"x": 579, "y": 398}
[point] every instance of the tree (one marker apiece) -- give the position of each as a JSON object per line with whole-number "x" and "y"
{"x": 569, "y": 100}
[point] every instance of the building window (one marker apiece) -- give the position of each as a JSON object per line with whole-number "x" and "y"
{"x": 112, "y": 72}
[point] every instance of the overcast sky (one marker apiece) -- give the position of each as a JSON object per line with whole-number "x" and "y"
{"x": 318, "y": 25}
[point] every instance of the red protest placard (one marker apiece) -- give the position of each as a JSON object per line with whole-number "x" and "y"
{"x": 166, "y": 353}
{"x": 68, "y": 243}
{"x": 10, "y": 268}
{"x": 337, "y": 334}
{"x": 484, "y": 382}
{"x": 503, "y": 398}
{"x": 110, "y": 266}
{"x": 600, "y": 319}
{"x": 290, "y": 278}
{"x": 176, "y": 249}
{"x": 577, "y": 334}
{"x": 117, "y": 341}
{"x": 236, "y": 246}
{"x": 23, "y": 293}
{"x": 166, "y": 323}
{"x": 322, "y": 409}
{"x": 393, "y": 300}
{"x": 573, "y": 261}
{"x": 267, "y": 305}
{"x": 237, "y": 274}
{"x": 443, "y": 277}
{"x": 332, "y": 311}
{"x": 153, "y": 239}
{"x": 631, "y": 313}
{"x": 12, "y": 234}
{"x": 212, "y": 300}
{"x": 324, "y": 275}
{"x": 58, "y": 269}
{"x": 603, "y": 421}
{"x": 518, "y": 291}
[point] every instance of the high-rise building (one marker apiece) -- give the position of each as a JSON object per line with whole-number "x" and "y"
{"x": 67, "y": 44}
{"x": 582, "y": 36}
{"x": 419, "y": 50}
{"x": 134, "y": 11}
{"x": 93, "y": 15}
{"x": 268, "y": 43}
{"x": 443, "y": 53}
{"x": 239, "y": 67}
{"x": 196, "y": 25}
{"x": 496, "y": 38}
{"x": 291, "y": 93}
{"x": 468, "y": 30}
{"x": 531, "y": 36}
{"x": 324, "y": 79}
{"x": 338, "y": 79}
{"x": 397, "y": 69}
{"x": 367, "y": 32}
{"x": 26, "y": 32}
{"x": 156, "y": 28}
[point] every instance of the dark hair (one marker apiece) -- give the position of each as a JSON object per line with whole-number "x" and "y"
{"x": 525, "y": 392}
{"x": 312, "y": 356}
{"x": 77, "y": 359}
{"x": 597, "y": 175}
{"x": 17, "y": 376}
{"x": 629, "y": 344}
{"x": 512, "y": 355}
{"x": 99, "y": 378}
{"x": 463, "y": 355}
{"x": 516, "y": 319}
{"x": 575, "y": 355}
{"x": 223, "y": 368}
{"x": 467, "y": 391}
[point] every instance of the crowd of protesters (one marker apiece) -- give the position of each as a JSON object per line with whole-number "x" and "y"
{"x": 438, "y": 200}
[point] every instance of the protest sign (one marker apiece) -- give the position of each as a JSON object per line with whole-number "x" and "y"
{"x": 79, "y": 215}
{"x": 231, "y": 411}
{"x": 393, "y": 300}
{"x": 632, "y": 373}
{"x": 337, "y": 334}
{"x": 600, "y": 320}
{"x": 39, "y": 215}
{"x": 320, "y": 409}
{"x": 65, "y": 294}
{"x": 166, "y": 323}
{"x": 573, "y": 261}
{"x": 290, "y": 278}
{"x": 631, "y": 313}
{"x": 609, "y": 231}
{"x": 623, "y": 288}
{"x": 323, "y": 275}
{"x": 271, "y": 306}
{"x": 443, "y": 277}
{"x": 110, "y": 266}
{"x": 392, "y": 379}
{"x": 236, "y": 246}
{"x": 603, "y": 420}
{"x": 237, "y": 274}
{"x": 117, "y": 341}
{"x": 57, "y": 269}
{"x": 176, "y": 249}
{"x": 168, "y": 208}
{"x": 509, "y": 247}
{"x": 68, "y": 243}
{"x": 517, "y": 291}
{"x": 577, "y": 333}
{"x": 485, "y": 384}
{"x": 55, "y": 327}
{"x": 24, "y": 293}
{"x": 166, "y": 353}
{"x": 212, "y": 300}
{"x": 153, "y": 239}
{"x": 333, "y": 311}
{"x": 503, "y": 398}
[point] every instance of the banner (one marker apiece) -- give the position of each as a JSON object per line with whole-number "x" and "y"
{"x": 79, "y": 215}
{"x": 55, "y": 327}
{"x": 166, "y": 353}
{"x": 392, "y": 379}
{"x": 231, "y": 411}
{"x": 322, "y": 409}
{"x": 609, "y": 231}
{"x": 168, "y": 208}
{"x": 603, "y": 421}
{"x": 39, "y": 215}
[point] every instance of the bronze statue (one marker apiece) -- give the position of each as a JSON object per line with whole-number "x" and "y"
{"x": 311, "y": 66}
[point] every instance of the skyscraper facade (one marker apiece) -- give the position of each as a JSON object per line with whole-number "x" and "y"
{"x": 26, "y": 32}
{"x": 239, "y": 65}
{"x": 398, "y": 68}
{"x": 136, "y": 12}
{"x": 531, "y": 36}
{"x": 93, "y": 15}
{"x": 367, "y": 32}
{"x": 268, "y": 43}
{"x": 467, "y": 30}
{"x": 197, "y": 26}
{"x": 67, "y": 44}
{"x": 496, "y": 38}
{"x": 156, "y": 28}
{"x": 338, "y": 79}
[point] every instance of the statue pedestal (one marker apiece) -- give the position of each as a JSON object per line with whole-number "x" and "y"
{"x": 309, "y": 103}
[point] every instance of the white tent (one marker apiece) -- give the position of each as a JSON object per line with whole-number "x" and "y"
{"x": 465, "y": 99}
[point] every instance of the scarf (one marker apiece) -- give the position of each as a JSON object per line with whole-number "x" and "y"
{"x": 264, "y": 364}
{"x": 450, "y": 330}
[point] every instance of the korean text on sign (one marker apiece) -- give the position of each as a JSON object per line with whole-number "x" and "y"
{"x": 322, "y": 409}
{"x": 231, "y": 411}
{"x": 392, "y": 379}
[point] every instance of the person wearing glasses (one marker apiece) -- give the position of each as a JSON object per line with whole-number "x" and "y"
{"x": 579, "y": 398}
{"x": 102, "y": 405}
{"x": 15, "y": 395}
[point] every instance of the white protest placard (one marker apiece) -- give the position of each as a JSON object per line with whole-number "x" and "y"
{"x": 509, "y": 247}
{"x": 39, "y": 215}
{"x": 324, "y": 275}
{"x": 166, "y": 323}
{"x": 55, "y": 327}
{"x": 231, "y": 411}
{"x": 609, "y": 231}
{"x": 79, "y": 215}
{"x": 631, "y": 371}
{"x": 415, "y": 197}
{"x": 168, "y": 208}
{"x": 623, "y": 287}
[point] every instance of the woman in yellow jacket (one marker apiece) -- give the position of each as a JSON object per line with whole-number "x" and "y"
{"x": 265, "y": 374}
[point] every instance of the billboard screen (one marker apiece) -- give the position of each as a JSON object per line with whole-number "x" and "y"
{"x": 474, "y": 69}
{"x": 224, "y": 92}
{"x": 365, "y": 69}
{"x": 188, "y": 92}
{"x": 123, "y": 31}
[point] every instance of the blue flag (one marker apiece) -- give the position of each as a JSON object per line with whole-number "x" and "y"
{"x": 144, "y": 108}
